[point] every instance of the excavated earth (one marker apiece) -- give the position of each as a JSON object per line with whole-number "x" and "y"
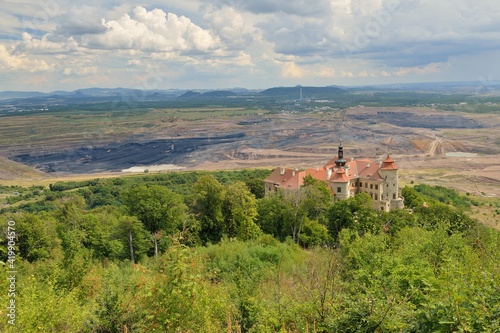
{"x": 419, "y": 139}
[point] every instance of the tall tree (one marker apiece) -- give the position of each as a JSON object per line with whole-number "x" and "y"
{"x": 240, "y": 212}
{"x": 37, "y": 237}
{"x": 356, "y": 213}
{"x": 274, "y": 215}
{"x": 309, "y": 201}
{"x": 72, "y": 229}
{"x": 158, "y": 208}
{"x": 136, "y": 236}
{"x": 207, "y": 202}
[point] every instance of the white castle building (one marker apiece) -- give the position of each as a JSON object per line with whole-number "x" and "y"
{"x": 347, "y": 178}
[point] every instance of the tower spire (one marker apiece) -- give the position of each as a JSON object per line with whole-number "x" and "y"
{"x": 340, "y": 162}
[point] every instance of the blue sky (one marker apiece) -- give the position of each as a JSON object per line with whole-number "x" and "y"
{"x": 49, "y": 45}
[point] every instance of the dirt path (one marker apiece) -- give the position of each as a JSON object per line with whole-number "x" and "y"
{"x": 436, "y": 147}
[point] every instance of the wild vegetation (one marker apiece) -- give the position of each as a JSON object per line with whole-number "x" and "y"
{"x": 208, "y": 252}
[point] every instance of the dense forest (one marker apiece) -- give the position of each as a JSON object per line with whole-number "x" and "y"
{"x": 209, "y": 252}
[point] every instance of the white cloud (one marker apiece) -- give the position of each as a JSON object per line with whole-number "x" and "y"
{"x": 85, "y": 71}
{"x": 430, "y": 68}
{"x": 345, "y": 73}
{"x": 326, "y": 72}
{"x": 260, "y": 42}
{"x": 291, "y": 70}
{"x": 152, "y": 31}
{"x": 13, "y": 62}
{"x": 45, "y": 45}
{"x": 232, "y": 26}
{"x": 363, "y": 74}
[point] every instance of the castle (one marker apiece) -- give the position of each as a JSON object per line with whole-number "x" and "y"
{"x": 347, "y": 178}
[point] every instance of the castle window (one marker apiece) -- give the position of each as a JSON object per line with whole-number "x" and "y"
{"x": 366, "y": 185}
{"x": 371, "y": 186}
{"x": 376, "y": 196}
{"x": 339, "y": 189}
{"x": 376, "y": 187}
{"x": 394, "y": 195}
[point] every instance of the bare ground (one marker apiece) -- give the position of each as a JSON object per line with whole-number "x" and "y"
{"x": 419, "y": 146}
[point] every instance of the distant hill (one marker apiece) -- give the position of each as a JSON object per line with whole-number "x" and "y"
{"x": 434, "y": 87}
{"x": 209, "y": 94}
{"x": 20, "y": 94}
{"x": 219, "y": 94}
{"x": 307, "y": 92}
{"x": 189, "y": 94}
{"x": 88, "y": 95}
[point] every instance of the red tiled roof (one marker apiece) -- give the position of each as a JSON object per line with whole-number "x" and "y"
{"x": 367, "y": 168}
{"x": 362, "y": 168}
{"x": 377, "y": 176}
{"x": 279, "y": 176}
{"x": 296, "y": 181}
{"x": 388, "y": 164}
{"x": 319, "y": 174}
{"x": 340, "y": 176}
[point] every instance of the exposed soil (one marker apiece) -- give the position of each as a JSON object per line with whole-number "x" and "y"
{"x": 417, "y": 138}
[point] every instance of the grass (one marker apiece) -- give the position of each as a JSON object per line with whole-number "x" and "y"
{"x": 487, "y": 212}
{"x": 10, "y": 169}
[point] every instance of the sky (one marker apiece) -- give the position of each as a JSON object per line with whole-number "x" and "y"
{"x": 49, "y": 45}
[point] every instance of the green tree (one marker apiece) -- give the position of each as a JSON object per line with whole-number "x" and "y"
{"x": 356, "y": 213}
{"x": 319, "y": 198}
{"x": 136, "y": 237}
{"x": 71, "y": 226}
{"x": 439, "y": 215}
{"x": 314, "y": 234}
{"x": 283, "y": 213}
{"x": 274, "y": 215}
{"x": 257, "y": 187}
{"x": 158, "y": 208}
{"x": 412, "y": 198}
{"x": 240, "y": 212}
{"x": 309, "y": 201}
{"x": 36, "y": 235}
{"x": 172, "y": 296}
{"x": 207, "y": 202}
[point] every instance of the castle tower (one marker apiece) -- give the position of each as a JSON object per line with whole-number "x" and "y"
{"x": 340, "y": 184}
{"x": 389, "y": 172}
{"x": 340, "y": 181}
